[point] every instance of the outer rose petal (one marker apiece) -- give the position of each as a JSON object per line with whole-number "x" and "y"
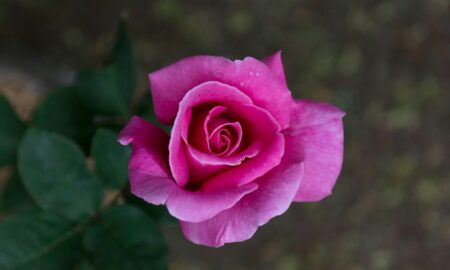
{"x": 273, "y": 197}
{"x": 150, "y": 178}
{"x": 319, "y": 134}
{"x": 251, "y": 76}
{"x": 275, "y": 63}
{"x": 148, "y": 171}
{"x": 202, "y": 205}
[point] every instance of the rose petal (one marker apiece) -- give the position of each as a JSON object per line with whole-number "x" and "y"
{"x": 261, "y": 128}
{"x": 213, "y": 122}
{"x": 150, "y": 178}
{"x": 202, "y": 155}
{"x": 318, "y": 130}
{"x": 203, "y": 164}
{"x": 202, "y": 167}
{"x": 234, "y": 137}
{"x": 204, "y": 93}
{"x": 275, "y": 64}
{"x": 148, "y": 171}
{"x": 170, "y": 84}
{"x": 202, "y": 205}
{"x": 196, "y": 132}
{"x": 273, "y": 197}
{"x": 210, "y": 159}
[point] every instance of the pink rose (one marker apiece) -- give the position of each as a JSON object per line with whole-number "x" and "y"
{"x": 241, "y": 148}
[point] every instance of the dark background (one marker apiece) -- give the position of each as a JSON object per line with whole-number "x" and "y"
{"x": 386, "y": 63}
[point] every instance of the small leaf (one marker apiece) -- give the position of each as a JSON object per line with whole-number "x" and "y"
{"x": 63, "y": 112}
{"x": 123, "y": 58}
{"x": 125, "y": 239}
{"x": 101, "y": 90}
{"x": 111, "y": 158}
{"x": 54, "y": 172}
{"x": 11, "y": 130}
{"x": 15, "y": 197}
{"x": 37, "y": 241}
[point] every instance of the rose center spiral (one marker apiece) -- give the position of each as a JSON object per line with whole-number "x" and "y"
{"x": 224, "y": 139}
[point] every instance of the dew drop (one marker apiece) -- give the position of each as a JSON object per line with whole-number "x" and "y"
{"x": 251, "y": 73}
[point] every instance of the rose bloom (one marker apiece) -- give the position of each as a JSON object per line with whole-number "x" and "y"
{"x": 241, "y": 148}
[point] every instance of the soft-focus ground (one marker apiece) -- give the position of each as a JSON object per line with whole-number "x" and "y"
{"x": 386, "y": 63}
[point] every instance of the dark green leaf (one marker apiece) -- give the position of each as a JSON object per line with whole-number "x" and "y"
{"x": 145, "y": 105}
{"x": 64, "y": 113}
{"x": 108, "y": 90}
{"x": 145, "y": 110}
{"x": 37, "y": 241}
{"x": 150, "y": 117}
{"x": 54, "y": 172}
{"x": 15, "y": 197}
{"x": 111, "y": 158}
{"x": 156, "y": 212}
{"x": 11, "y": 130}
{"x": 125, "y": 238}
{"x": 123, "y": 58}
{"x": 85, "y": 266}
{"x": 102, "y": 92}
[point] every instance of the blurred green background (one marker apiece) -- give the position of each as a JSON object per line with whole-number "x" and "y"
{"x": 386, "y": 63}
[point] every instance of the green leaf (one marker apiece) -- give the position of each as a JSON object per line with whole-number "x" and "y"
{"x": 122, "y": 56}
{"x": 145, "y": 110}
{"x": 108, "y": 90}
{"x": 11, "y": 130}
{"x": 37, "y": 241}
{"x": 158, "y": 213}
{"x": 101, "y": 90}
{"x": 125, "y": 238}
{"x": 54, "y": 172}
{"x": 111, "y": 158}
{"x": 145, "y": 105}
{"x": 15, "y": 197}
{"x": 63, "y": 112}
{"x": 150, "y": 117}
{"x": 85, "y": 265}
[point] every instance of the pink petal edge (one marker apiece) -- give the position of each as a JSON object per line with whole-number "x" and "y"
{"x": 275, "y": 63}
{"x": 319, "y": 133}
{"x": 255, "y": 79}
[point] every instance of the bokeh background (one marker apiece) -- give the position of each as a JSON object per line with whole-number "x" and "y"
{"x": 386, "y": 63}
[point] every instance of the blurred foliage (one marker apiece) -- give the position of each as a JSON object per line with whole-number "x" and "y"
{"x": 111, "y": 158}
{"x": 57, "y": 216}
{"x": 29, "y": 242}
{"x": 53, "y": 170}
{"x": 125, "y": 239}
{"x": 15, "y": 197}
{"x": 63, "y": 112}
{"x": 384, "y": 62}
{"x": 10, "y": 133}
